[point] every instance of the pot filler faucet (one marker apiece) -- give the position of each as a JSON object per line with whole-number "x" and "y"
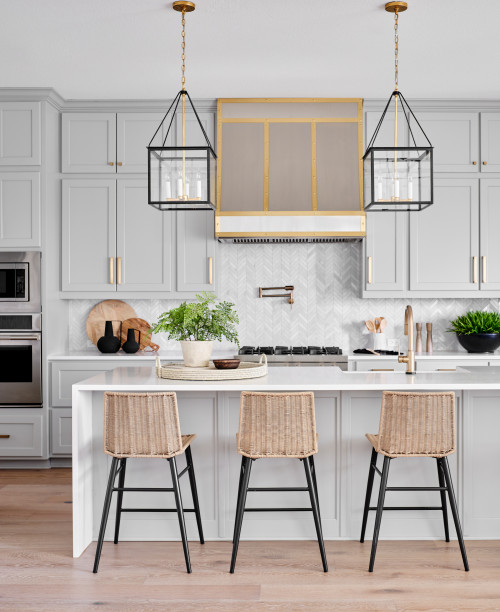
{"x": 409, "y": 359}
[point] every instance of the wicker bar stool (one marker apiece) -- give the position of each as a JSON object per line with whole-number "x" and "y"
{"x": 277, "y": 425}
{"x": 145, "y": 425}
{"x": 414, "y": 425}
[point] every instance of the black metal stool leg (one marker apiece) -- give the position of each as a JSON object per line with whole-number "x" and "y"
{"x": 246, "y": 464}
{"x": 105, "y": 512}
{"x": 315, "y": 483}
{"x": 119, "y": 498}
{"x": 454, "y": 509}
{"x": 380, "y": 509}
{"x": 316, "y": 514}
{"x": 242, "y": 476}
{"x": 180, "y": 511}
{"x": 194, "y": 493}
{"x": 369, "y": 488}
{"x": 443, "y": 501}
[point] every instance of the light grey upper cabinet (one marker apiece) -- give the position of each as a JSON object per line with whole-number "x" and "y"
{"x": 194, "y": 135}
{"x": 386, "y": 257}
{"x": 88, "y": 235}
{"x": 455, "y": 138}
{"x": 20, "y": 209}
{"x": 145, "y": 241}
{"x": 89, "y": 142}
{"x": 490, "y": 142}
{"x": 133, "y": 134}
{"x": 489, "y": 214}
{"x": 195, "y": 251}
{"x": 20, "y": 130}
{"x": 444, "y": 239}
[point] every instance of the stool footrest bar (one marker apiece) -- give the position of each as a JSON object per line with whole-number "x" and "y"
{"x": 278, "y": 510}
{"x": 138, "y": 489}
{"x": 267, "y": 489}
{"x": 408, "y": 508}
{"x": 416, "y": 489}
{"x": 155, "y": 510}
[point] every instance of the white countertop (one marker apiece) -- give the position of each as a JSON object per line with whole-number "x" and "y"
{"x": 425, "y": 356}
{"x": 299, "y": 379}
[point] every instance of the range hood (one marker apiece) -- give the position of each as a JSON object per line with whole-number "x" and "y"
{"x": 290, "y": 170}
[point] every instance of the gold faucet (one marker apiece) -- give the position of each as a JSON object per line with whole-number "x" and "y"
{"x": 409, "y": 359}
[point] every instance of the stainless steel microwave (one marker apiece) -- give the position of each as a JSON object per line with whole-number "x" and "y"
{"x": 20, "y": 282}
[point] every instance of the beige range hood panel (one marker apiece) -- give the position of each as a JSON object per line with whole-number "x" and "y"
{"x": 289, "y": 168}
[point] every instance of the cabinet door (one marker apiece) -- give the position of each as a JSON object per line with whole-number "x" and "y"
{"x": 133, "y": 133}
{"x": 60, "y": 431}
{"x": 444, "y": 239}
{"x": 88, "y": 235}
{"x": 489, "y": 219}
{"x": 22, "y": 434}
{"x": 144, "y": 241}
{"x": 195, "y": 250}
{"x": 490, "y": 142}
{"x": 89, "y": 142}
{"x": 20, "y": 209}
{"x": 386, "y": 251}
{"x": 455, "y": 138}
{"x": 20, "y": 134}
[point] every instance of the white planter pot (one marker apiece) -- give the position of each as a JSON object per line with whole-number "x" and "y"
{"x": 196, "y": 353}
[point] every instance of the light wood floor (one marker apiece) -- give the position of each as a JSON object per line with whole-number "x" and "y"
{"x": 37, "y": 571}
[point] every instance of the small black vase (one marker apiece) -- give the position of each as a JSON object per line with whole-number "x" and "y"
{"x": 131, "y": 346}
{"x": 108, "y": 343}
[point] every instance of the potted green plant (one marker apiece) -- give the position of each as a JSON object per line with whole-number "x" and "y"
{"x": 197, "y": 324}
{"x": 477, "y": 331}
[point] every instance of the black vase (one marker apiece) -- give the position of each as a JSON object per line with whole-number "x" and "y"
{"x": 131, "y": 345}
{"x": 109, "y": 343}
{"x": 479, "y": 343}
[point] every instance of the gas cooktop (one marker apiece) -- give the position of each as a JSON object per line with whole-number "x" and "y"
{"x": 290, "y": 350}
{"x": 296, "y": 355}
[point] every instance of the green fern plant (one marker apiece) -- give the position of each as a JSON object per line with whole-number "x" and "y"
{"x": 205, "y": 319}
{"x": 476, "y": 322}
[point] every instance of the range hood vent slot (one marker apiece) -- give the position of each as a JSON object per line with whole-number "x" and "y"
{"x": 311, "y": 240}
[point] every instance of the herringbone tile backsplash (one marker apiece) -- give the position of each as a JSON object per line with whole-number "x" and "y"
{"x": 328, "y": 309}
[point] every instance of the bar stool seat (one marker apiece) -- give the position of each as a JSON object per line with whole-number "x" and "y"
{"x": 414, "y": 425}
{"x": 145, "y": 425}
{"x": 277, "y": 425}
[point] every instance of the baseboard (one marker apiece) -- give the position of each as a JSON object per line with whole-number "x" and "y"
{"x": 25, "y": 464}
{"x": 60, "y": 462}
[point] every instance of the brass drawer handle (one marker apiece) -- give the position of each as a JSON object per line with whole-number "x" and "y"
{"x": 369, "y": 269}
{"x": 474, "y": 262}
{"x": 446, "y": 370}
{"x": 119, "y": 272}
{"x": 382, "y": 370}
{"x": 111, "y": 270}
{"x": 210, "y": 271}
{"x": 4, "y": 435}
{"x": 484, "y": 268}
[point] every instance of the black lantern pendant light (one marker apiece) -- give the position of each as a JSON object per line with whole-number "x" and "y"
{"x": 181, "y": 177}
{"x": 398, "y": 178}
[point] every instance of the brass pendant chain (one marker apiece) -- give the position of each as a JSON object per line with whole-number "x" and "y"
{"x": 183, "y": 87}
{"x": 396, "y": 51}
{"x": 183, "y": 47}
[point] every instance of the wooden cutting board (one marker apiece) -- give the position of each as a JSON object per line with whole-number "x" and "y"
{"x": 109, "y": 310}
{"x": 143, "y": 326}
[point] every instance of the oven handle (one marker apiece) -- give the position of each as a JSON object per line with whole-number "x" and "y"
{"x": 8, "y": 338}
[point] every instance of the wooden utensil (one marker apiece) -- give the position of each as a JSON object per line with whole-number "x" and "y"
{"x": 383, "y": 324}
{"x": 377, "y": 325}
{"x": 142, "y": 326}
{"x": 109, "y": 310}
{"x": 370, "y": 325}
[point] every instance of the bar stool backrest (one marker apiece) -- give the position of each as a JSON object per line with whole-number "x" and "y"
{"x": 417, "y": 424}
{"x": 141, "y": 425}
{"x": 277, "y": 425}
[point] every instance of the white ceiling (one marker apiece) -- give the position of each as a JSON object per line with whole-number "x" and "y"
{"x": 130, "y": 48}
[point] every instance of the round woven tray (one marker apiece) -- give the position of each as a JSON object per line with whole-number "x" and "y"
{"x": 177, "y": 371}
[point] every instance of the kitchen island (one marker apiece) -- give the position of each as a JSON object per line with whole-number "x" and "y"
{"x": 347, "y": 406}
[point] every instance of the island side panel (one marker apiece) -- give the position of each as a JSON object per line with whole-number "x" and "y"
{"x": 360, "y": 415}
{"x": 83, "y": 470}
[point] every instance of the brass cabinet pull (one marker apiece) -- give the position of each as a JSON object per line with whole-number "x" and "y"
{"x": 210, "y": 271}
{"x": 369, "y": 269}
{"x": 484, "y": 268}
{"x": 382, "y": 370}
{"x": 111, "y": 163}
{"x": 446, "y": 370}
{"x": 111, "y": 270}
{"x": 484, "y": 163}
{"x": 474, "y": 163}
{"x": 4, "y": 435}
{"x": 474, "y": 261}
{"x": 119, "y": 270}
{"x": 119, "y": 164}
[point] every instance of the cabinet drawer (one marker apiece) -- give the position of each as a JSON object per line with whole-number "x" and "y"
{"x": 60, "y": 431}
{"x": 21, "y": 435}
{"x": 375, "y": 365}
{"x": 428, "y": 365}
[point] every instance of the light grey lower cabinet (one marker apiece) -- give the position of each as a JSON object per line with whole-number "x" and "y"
{"x": 444, "y": 239}
{"x": 20, "y": 209}
{"x": 21, "y": 433}
{"x": 88, "y": 235}
{"x": 195, "y": 251}
{"x": 60, "y": 431}
{"x": 386, "y": 252}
